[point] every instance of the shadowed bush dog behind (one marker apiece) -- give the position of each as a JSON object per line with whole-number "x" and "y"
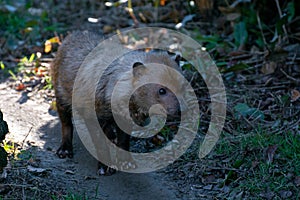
{"x": 65, "y": 66}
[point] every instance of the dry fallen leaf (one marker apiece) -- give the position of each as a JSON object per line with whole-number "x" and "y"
{"x": 270, "y": 152}
{"x": 232, "y": 16}
{"x": 40, "y": 71}
{"x": 20, "y": 87}
{"x": 53, "y": 106}
{"x": 297, "y": 181}
{"x": 157, "y": 140}
{"x": 254, "y": 164}
{"x": 295, "y": 95}
{"x": 269, "y": 67}
{"x": 227, "y": 10}
{"x": 48, "y": 43}
{"x": 107, "y": 29}
{"x": 209, "y": 179}
{"x": 162, "y": 2}
{"x": 205, "y": 6}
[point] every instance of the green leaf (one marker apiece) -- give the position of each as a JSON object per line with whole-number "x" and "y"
{"x": 10, "y": 8}
{"x": 238, "y": 163}
{"x": 24, "y": 155}
{"x": 256, "y": 113}
{"x": 24, "y": 60}
{"x": 13, "y": 75}
{"x": 237, "y": 67}
{"x": 280, "y": 23}
{"x": 9, "y": 147}
{"x": 31, "y": 58}
{"x": 209, "y": 38}
{"x": 240, "y": 33}
{"x": 32, "y": 23}
{"x": 290, "y": 10}
{"x": 221, "y": 63}
{"x": 260, "y": 42}
{"x": 244, "y": 110}
{"x": 156, "y": 3}
{"x": 285, "y": 99}
{"x": 2, "y": 66}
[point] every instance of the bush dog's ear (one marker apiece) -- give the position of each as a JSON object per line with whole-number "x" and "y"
{"x": 138, "y": 69}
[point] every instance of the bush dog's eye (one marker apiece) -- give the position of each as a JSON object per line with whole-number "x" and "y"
{"x": 162, "y": 91}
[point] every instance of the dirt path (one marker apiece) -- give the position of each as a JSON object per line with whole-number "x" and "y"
{"x": 32, "y": 126}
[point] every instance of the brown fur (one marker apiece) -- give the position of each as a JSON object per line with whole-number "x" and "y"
{"x": 64, "y": 69}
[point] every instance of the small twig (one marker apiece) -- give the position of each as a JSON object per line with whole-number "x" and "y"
{"x": 162, "y": 24}
{"x": 270, "y": 132}
{"x": 18, "y": 185}
{"x": 26, "y": 137}
{"x": 224, "y": 168}
{"x": 250, "y": 124}
{"x": 256, "y": 88}
{"x": 23, "y": 193}
{"x": 289, "y": 77}
{"x": 260, "y": 27}
{"x": 280, "y": 15}
{"x": 46, "y": 59}
{"x": 131, "y": 13}
{"x": 285, "y": 128}
{"x": 227, "y": 3}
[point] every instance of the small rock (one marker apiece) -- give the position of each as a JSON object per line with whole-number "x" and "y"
{"x": 268, "y": 195}
{"x": 36, "y": 169}
{"x": 285, "y": 194}
{"x": 69, "y": 172}
{"x": 208, "y": 187}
